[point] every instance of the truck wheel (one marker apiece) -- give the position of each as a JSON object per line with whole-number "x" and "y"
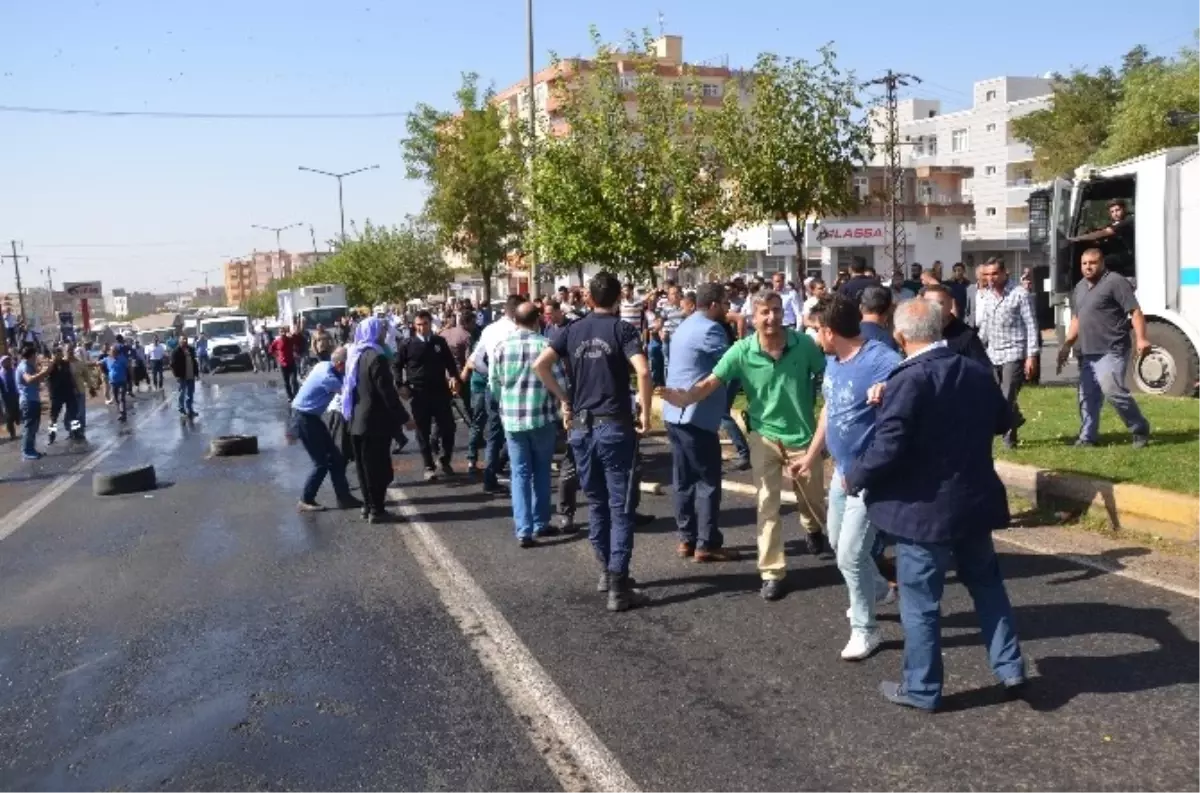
{"x": 1170, "y": 368}
{"x": 233, "y": 445}
{"x": 135, "y": 480}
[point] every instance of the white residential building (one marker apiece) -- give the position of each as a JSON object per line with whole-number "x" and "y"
{"x": 980, "y": 138}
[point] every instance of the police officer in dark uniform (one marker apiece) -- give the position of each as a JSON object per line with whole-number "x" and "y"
{"x": 603, "y": 432}
{"x": 1116, "y": 239}
{"x": 424, "y": 368}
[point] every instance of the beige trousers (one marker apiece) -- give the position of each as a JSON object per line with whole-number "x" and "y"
{"x": 769, "y": 459}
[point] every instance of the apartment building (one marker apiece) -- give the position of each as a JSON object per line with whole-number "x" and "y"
{"x": 122, "y": 304}
{"x": 239, "y": 281}
{"x": 979, "y": 138}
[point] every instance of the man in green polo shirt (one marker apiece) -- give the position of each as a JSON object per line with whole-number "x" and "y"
{"x": 777, "y": 367}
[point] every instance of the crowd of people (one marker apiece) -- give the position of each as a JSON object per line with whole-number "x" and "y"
{"x": 571, "y": 378}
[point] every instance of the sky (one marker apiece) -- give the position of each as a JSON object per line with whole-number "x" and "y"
{"x": 159, "y": 204}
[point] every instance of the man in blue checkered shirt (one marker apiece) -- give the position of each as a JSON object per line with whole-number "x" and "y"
{"x": 1008, "y": 329}
{"x": 530, "y": 415}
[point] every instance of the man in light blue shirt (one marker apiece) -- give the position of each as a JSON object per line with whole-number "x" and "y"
{"x": 696, "y": 346}
{"x": 323, "y": 383}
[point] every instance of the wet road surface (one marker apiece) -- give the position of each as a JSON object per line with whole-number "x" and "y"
{"x": 206, "y": 636}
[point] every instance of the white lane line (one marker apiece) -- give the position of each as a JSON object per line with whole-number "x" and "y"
{"x": 1099, "y": 564}
{"x": 60, "y": 484}
{"x": 572, "y": 751}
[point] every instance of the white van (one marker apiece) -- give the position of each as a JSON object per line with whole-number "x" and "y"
{"x": 230, "y": 342}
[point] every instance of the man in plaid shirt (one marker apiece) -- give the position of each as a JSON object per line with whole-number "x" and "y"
{"x": 1009, "y": 331}
{"x": 530, "y": 415}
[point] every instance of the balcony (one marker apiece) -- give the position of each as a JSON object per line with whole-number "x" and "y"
{"x": 1017, "y": 191}
{"x": 924, "y": 208}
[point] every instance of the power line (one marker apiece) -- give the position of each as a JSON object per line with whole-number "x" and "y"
{"x": 894, "y": 234}
{"x": 162, "y": 114}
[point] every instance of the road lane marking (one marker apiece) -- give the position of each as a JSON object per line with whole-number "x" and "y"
{"x": 571, "y": 750}
{"x": 21, "y": 515}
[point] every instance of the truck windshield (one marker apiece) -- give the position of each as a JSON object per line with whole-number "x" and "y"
{"x": 327, "y": 317}
{"x": 224, "y": 327}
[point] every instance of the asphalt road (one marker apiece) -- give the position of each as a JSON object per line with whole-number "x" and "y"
{"x": 206, "y": 636}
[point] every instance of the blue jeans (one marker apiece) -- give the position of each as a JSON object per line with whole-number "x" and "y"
{"x": 475, "y": 433}
{"x": 31, "y": 420}
{"x": 187, "y": 395}
{"x": 736, "y": 436}
{"x": 120, "y": 395}
{"x": 326, "y": 459}
{"x": 605, "y": 457}
{"x": 696, "y": 480}
{"x": 921, "y": 573}
{"x": 530, "y": 453}
{"x": 852, "y": 537}
{"x": 1102, "y": 377}
{"x": 494, "y": 443}
{"x": 81, "y": 412}
{"x": 658, "y": 364}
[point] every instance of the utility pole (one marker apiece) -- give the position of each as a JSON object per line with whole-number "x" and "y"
{"x": 894, "y": 237}
{"x": 530, "y": 253}
{"x": 49, "y": 280}
{"x": 17, "y": 270}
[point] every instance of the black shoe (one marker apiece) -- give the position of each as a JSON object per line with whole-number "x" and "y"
{"x": 550, "y": 531}
{"x": 1010, "y": 439}
{"x": 527, "y": 542}
{"x": 1016, "y": 688}
{"x": 350, "y": 502}
{"x": 621, "y": 594}
{"x": 1084, "y": 444}
{"x": 382, "y": 516}
{"x": 817, "y": 544}
{"x": 602, "y": 584}
{"x": 565, "y": 523}
{"x": 771, "y": 590}
{"x": 642, "y": 520}
{"x": 496, "y": 490}
{"x": 446, "y": 469}
{"x": 1141, "y": 441}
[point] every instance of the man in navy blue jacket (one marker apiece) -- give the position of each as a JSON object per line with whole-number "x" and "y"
{"x": 941, "y": 500}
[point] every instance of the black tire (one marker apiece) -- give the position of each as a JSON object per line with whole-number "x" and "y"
{"x": 1170, "y": 369}
{"x": 135, "y": 480}
{"x": 234, "y": 445}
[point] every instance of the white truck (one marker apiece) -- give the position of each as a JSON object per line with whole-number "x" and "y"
{"x": 1162, "y": 192}
{"x": 230, "y": 341}
{"x": 309, "y": 306}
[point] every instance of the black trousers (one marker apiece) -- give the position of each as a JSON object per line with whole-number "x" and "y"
{"x": 568, "y": 478}
{"x": 290, "y": 382}
{"x": 429, "y": 408}
{"x": 373, "y": 462}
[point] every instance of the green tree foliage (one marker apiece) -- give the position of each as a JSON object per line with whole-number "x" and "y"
{"x": 792, "y": 141}
{"x": 378, "y": 265}
{"x": 1112, "y": 115}
{"x": 475, "y": 170}
{"x": 628, "y": 184}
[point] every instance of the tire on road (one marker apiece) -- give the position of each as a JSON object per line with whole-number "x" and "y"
{"x": 135, "y": 480}
{"x": 233, "y": 445}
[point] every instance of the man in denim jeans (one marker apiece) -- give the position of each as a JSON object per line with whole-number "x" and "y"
{"x": 853, "y": 365}
{"x": 1105, "y": 309}
{"x": 600, "y": 349}
{"x": 29, "y": 384}
{"x": 941, "y": 499}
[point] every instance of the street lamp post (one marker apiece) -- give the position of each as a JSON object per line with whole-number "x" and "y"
{"x": 341, "y": 203}
{"x": 278, "y": 231}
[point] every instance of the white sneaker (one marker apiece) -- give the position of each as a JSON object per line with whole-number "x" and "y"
{"x": 887, "y": 599}
{"x": 861, "y": 645}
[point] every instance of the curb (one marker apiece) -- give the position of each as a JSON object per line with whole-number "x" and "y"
{"x": 1174, "y": 516}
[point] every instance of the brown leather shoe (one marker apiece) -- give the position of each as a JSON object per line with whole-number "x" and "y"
{"x": 716, "y": 555}
{"x": 685, "y": 550}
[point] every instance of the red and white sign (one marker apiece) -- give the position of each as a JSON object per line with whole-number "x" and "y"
{"x": 865, "y": 234}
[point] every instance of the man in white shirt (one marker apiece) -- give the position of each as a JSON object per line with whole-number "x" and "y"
{"x": 793, "y": 311}
{"x": 156, "y": 353}
{"x": 485, "y": 352}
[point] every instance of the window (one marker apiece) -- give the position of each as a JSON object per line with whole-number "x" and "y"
{"x": 924, "y": 190}
{"x": 938, "y": 233}
{"x": 958, "y": 140}
{"x": 919, "y": 147}
{"x": 989, "y": 170}
{"x": 990, "y": 212}
{"x": 931, "y": 145}
{"x": 710, "y": 89}
{"x": 862, "y": 187}
{"x": 989, "y": 96}
{"x": 540, "y": 92}
{"x": 628, "y": 82}
{"x": 991, "y": 127}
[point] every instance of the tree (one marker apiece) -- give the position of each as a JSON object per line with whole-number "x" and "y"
{"x": 725, "y": 262}
{"x": 1069, "y": 132}
{"x": 475, "y": 171}
{"x": 1149, "y": 93}
{"x": 261, "y": 304}
{"x": 791, "y": 150}
{"x": 1112, "y": 115}
{"x": 629, "y": 184}
{"x": 385, "y": 265}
